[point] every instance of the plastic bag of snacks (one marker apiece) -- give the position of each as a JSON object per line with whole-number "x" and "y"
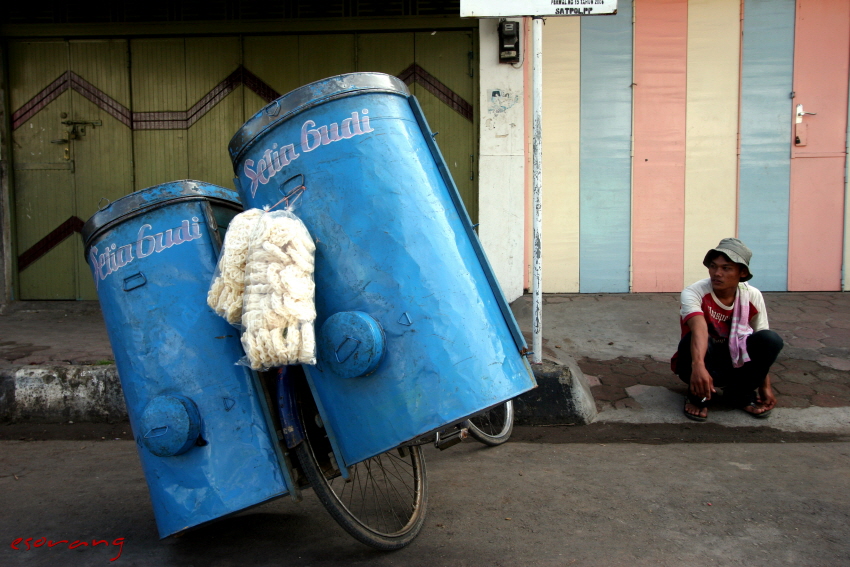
{"x": 273, "y": 295}
{"x": 228, "y": 284}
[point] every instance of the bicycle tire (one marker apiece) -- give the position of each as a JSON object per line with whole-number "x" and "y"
{"x": 387, "y": 509}
{"x": 493, "y": 427}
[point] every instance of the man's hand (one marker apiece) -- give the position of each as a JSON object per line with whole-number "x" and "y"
{"x": 702, "y": 385}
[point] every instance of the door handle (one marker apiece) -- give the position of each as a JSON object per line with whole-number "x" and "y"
{"x": 801, "y": 113}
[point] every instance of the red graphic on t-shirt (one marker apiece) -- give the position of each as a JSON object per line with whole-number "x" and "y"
{"x": 718, "y": 317}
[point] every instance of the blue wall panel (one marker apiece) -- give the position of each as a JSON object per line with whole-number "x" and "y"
{"x": 605, "y": 166}
{"x": 766, "y": 116}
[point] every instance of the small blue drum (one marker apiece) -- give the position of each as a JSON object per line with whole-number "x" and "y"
{"x": 203, "y": 429}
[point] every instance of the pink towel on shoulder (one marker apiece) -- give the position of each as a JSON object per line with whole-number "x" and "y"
{"x": 740, "y": 328}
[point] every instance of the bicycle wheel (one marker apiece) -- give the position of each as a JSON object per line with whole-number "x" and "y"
{"x": 493, "y": 427}
{"x": 382, "y": 504}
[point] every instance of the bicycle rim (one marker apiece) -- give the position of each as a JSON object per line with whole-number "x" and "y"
{"x": 384, "y": 501}
{"x": 495, "y": 426}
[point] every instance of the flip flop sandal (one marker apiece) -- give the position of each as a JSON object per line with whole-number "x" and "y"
{"x": 762, "y": 415}
{"x": 689, "y": 399}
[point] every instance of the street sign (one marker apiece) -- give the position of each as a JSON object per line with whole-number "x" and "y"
{"x": 514, "y": 8}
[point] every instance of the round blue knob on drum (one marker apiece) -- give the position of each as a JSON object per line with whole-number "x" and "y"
{"x": 351, "y": 344}
{"x": 171, "y": 425}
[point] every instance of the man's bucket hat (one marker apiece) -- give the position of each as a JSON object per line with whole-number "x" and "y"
{"x": 735, "y": 250}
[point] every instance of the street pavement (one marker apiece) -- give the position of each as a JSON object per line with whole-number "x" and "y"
{"x": 520, "y": 504}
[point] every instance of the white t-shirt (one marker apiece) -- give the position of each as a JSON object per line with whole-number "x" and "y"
{"x": 699, "y": 299}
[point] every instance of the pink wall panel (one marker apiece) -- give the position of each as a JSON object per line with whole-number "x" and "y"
{"x": 660, "y": 76}
{"x": 821, "y": 63}
{"x": 816, "y": 232}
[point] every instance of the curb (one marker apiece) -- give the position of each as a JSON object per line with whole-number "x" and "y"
{"x": 50, "y": 394}
{"x": 562, "y": 397}
{"x": 61, "y": 393}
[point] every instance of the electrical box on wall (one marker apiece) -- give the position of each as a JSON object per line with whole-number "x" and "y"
{"x": 508, "y": 42}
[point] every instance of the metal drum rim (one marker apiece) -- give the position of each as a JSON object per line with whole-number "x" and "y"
{"x": 134, "y": 204}
{"x": 308, "y": 96}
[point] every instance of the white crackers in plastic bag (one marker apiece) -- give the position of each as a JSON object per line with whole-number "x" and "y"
{"x": 225, "y": 293}
{"x": 278, "y": 308}
{"x": 279, "y": 300}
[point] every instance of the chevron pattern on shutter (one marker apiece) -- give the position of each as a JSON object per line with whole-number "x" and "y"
{"x": 181, "y": 120}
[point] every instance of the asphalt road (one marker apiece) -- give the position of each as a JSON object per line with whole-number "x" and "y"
{"x": 548, "y": 502}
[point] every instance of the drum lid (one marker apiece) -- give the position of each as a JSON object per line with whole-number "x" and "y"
{"x": 309, "y": 96}
{"x": 152, "y": 198}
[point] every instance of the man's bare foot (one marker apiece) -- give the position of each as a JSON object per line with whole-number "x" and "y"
{"x": 758, "y": 410}
{"x": 695, "y": 409}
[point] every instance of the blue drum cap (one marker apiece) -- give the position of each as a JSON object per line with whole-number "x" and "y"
{"x": 170, "y": 425}
{"x": 351, "y": 344}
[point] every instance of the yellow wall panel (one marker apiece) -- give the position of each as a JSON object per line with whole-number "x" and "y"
{"x": 389, "y": 53}
{"x": 44, "y": 197}
{"x": 322, "y": 56}
{"x": 274, "y": 59}
{"x": 103, "y": 155}
{"x": 561, "y": 121}
{"x": 161, "y": 156}
{"x": 159, "y": 85}
{"x": 714, "y": 40}
{"x": 209, "y": 137}
{"x": 251, "y": 103}
{"x": 159, "y": 75}
{"x": 27, "y": 78}
{"x": 103, "y": 63}
{"x": 103, "y": 169}
{"x": 456, "y": 142}
{"x": 47, "y": 279}
{"x": 208, "y": 62}
{"x": 445, "y": 55}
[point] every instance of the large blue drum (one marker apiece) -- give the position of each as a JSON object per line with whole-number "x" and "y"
{"x": 201, "y": 423}
{"x": 413, "y": 331}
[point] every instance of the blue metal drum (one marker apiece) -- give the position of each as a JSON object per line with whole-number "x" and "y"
{"x": 413, "y": 331}
{"x": 203, "y": 429}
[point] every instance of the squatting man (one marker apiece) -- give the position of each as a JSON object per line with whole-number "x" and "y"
{"x": 725, "y": 341}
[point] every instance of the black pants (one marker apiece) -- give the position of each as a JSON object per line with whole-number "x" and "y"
{"x": 738, "y": 383}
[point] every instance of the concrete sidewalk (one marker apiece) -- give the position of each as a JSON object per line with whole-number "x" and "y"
{"x": 58, "y": 353}
{"x": 623, "y": 344}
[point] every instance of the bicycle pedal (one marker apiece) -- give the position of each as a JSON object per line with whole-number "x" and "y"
{"x": 443, "y": 442}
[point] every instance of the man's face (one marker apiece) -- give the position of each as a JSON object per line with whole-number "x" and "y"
{"x": 725, "y": 274}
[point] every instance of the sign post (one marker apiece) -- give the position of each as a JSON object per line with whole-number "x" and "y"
{"x": 537, "y": 199}
{"x": 536, "y": 9}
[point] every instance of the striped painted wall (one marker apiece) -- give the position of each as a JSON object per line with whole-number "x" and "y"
{"x": 604, "y": 160}
{"x": 673, "y": 124}
{"x": 765, "y": 182}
